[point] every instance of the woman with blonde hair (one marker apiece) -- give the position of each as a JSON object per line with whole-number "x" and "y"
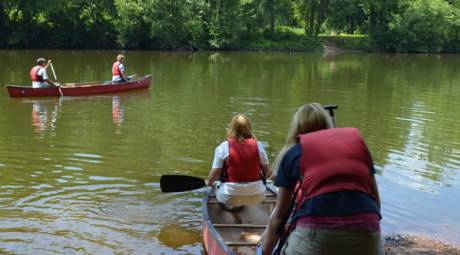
{"x": 118, "y": 70}
{"x": 308, "y": 118}
{"x": 328, "y": 174}
{"x": 240, "y": 163}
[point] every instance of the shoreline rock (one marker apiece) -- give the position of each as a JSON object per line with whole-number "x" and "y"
{"x": 409, "y": 244}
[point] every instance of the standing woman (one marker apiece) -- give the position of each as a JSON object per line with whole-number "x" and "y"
{"x": 239, "y": 163}
{"x": 331, "y": 174}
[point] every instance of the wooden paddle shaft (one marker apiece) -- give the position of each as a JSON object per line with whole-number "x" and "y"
{"x": 52, "y": 69}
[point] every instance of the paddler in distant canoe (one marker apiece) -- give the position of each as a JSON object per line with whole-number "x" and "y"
{"x": 118, "y": 70}
{"x": 39, "y": 76}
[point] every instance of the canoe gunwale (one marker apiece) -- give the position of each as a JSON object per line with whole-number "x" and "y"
{"x": 210, "y": 233}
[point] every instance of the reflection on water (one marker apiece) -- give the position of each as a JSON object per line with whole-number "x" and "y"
{"x": 44, "y": 115}
{"x": 117, "y": 112}
{"x": 79, "y": 175}
{"x": 176, "y": 236}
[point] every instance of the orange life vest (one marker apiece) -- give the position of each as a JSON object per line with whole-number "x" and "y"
{"x": 116, "y": 69}
{"x": 334, "y": 160}
{"x": 34, "y": 74}
{"x": 243, "y": 164}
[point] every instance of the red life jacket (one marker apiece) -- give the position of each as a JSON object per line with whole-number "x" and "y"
{"x": 116, "y": 69}
{"x": 334, "y": 160}
{"x": 34, "y": 74}
{"x": 243, "y": 164}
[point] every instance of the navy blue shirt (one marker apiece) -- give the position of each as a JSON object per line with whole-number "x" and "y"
{"x": 340, "y": 203}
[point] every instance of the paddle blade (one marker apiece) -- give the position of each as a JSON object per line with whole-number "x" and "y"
{"x": 179, "y": 183}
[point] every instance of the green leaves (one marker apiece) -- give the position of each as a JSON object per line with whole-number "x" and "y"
{"x": 393, "y": 25}
{"x": 425, "y": 26}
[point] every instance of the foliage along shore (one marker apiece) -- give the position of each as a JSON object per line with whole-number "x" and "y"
{"x": 387, "y": 25}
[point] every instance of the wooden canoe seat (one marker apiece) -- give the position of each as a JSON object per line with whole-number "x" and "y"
{"x": 240, "y": 230}
{"x": 266, "y": 201}
{"x": 241, "y": 243}
{"x": 266, "y": 195}
{"x": 239, "y": 226}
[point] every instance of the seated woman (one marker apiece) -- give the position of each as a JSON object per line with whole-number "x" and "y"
{"x": 239, "y": 164}
{"x": 329, "y": 174}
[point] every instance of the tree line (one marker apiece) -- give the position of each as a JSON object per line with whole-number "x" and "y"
{"x": 390, "y": 25}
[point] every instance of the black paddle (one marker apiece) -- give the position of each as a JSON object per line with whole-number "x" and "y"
{"x": 180, "y": 183}
{"x": 330, "y": 108}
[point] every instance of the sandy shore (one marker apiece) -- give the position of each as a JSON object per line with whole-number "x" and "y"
{"x": 406, "y": 244}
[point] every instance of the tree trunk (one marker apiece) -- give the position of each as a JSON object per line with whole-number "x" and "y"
{"x": 2, "y": 24}
{"x": 351, "y": 27}
{"x": 321, "y": 15}
{"x": 310, "y": 25}
{"x": 271, "y": 15}
{"x": 372, "y": 19}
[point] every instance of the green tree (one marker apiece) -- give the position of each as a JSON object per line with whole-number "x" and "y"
{"x": 25, "y": 22}
{"x": 131, "y": 23}
{"x": 381, "y": 15}
{"x": 263, "y": 16}
{"x": 347, "y": 16}
{"x": 225, "y": 23}
{"x": 313, "y": 13}
{"x": 425, "y": 26}
{"x": 87, "y": 23}
{"x": 168, "y": 23}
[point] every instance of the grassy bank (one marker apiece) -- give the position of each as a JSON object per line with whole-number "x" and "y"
{"x": 295, "y": 39}
{"x": 281, "y": 41}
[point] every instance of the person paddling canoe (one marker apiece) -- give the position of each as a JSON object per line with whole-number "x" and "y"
{"x": 118, "y": 70}
{"x": 39, "y": 76}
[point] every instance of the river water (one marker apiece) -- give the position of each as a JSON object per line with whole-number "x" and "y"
{"x": 80, "y": 175}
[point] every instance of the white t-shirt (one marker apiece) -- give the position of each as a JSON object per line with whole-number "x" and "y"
{"x": 41, "y": 84}
{"x": 234, "y": 188}
{"x": 122, "y": 70}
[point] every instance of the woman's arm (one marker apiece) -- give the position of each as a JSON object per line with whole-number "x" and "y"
{"x": 375, "y": 190}
{"x": 218, "y": 163}
{"x": 266, "y": 171}
{"x": 269, "y": 237}
{"x": 47, "y": 64}
{"x": 272, "y": 177}
{"x": 214, "y": 175}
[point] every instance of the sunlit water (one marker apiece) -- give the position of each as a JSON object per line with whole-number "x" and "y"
{"x": 79, "y": 175}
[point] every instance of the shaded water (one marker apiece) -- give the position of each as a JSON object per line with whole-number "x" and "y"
{"x": 80, "y": 174}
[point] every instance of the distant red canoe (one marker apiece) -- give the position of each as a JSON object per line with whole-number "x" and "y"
{"x": 79, "y": 89}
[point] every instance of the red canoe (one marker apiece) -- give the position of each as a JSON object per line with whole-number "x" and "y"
{"x": 228, "y": 233}
{"x": 79, "y": 89}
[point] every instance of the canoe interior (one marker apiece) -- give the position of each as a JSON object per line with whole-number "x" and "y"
{"x": 240, "y": 231}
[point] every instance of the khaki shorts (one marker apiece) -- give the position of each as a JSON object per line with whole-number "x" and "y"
{"x": 234, "y": 200}
{"x": 307, "y": 241}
